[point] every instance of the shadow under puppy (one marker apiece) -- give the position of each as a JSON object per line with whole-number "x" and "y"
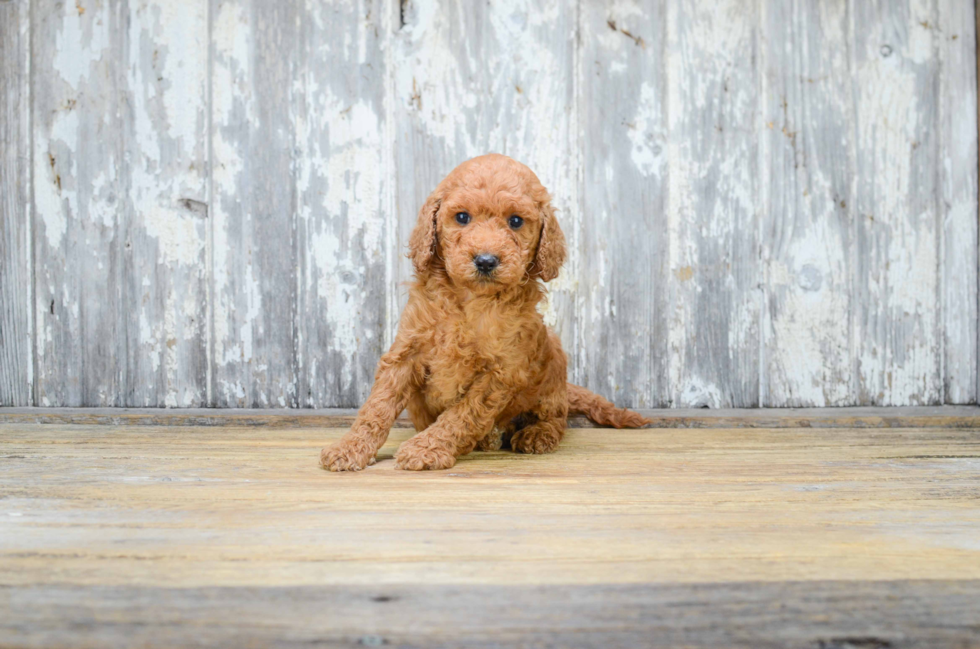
{"x": 472, "y": 352}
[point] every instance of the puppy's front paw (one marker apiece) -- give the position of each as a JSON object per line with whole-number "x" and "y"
{"x": 346, "y": 455}
{"x": 536, "y": 439}
{"x": 422, "y": 452}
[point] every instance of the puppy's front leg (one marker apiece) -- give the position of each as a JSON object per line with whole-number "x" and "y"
{"x": 392, "y": 386}
{"x": 458, "y": 429}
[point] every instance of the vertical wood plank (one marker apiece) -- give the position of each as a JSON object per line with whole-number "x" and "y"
{"x": 120, "y": 180}
{"x": 16, "y": 263}
{"x": 78, "y": 189}
{"x": 808, "y": 208}
{"x": 623, "y": 283}
{"x": 474, "y": 78}
{"x": 958, "y": 166}
{"x": 253, "y": 194}
{"x": 339, "y": 103}
{"x": 712, "y": 203}
{"x": 896, "y": 227}
{"x": 162, "y": 241}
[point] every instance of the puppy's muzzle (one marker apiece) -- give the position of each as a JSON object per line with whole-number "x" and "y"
{"x": 485, "y": 264}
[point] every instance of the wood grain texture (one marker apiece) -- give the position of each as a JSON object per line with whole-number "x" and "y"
{"x": 807, "y": 208}
{"x": 623, "y": 285}
{"x": 819, "y": 534}
{"x": 120, "y": 173}
{"x": 16, "y": 259}
{"x": 254, "y": 201}
{"x": 299, "y": 237}
{"x": 959, "y": 199}
{"x": 474, "y": 78}
{"x": 928, "y": 614}
{"x": 896, "y": 240}
{"x": 78, "y": 186}
{"x": 713, "y": 81}
{"x": 342, "y": 242}
{"x": 163, "y": 230}
{"x": 766, "y": 204}
{"x": 231, "y": 506}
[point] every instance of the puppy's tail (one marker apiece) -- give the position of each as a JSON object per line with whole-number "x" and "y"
{"x": 601, "y": 411}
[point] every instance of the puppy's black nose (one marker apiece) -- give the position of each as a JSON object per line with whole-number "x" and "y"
{"x": 486, "y": 263}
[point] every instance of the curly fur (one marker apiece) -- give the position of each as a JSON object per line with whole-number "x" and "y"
{"x": 473, "y": 360}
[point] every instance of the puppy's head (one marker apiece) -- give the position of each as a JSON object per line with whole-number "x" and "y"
{"x": 491, "y": 224}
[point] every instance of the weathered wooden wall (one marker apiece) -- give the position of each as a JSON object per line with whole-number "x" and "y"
{"x": 768, "y": 203}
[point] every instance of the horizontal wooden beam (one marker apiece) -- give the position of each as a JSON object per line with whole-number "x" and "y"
{"x": 865, "y": 417}
{"x": 830, "y": 614}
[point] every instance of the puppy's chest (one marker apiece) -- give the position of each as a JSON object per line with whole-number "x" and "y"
{"x": 464, "y": 347}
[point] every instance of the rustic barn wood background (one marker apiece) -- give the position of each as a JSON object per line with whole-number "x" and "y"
{"x": 768, "y": 203}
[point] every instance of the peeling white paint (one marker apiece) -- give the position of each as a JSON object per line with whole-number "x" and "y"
{"x": 647, "y": 147}
{"x": 81, "y": 43}
{"x": 806, "y": 219}
{"x": 899, "y": 354}
{"x": 958, "y": 99}
{"x": 699, "y": 393}
{"x": 54, "y": 194}
{"x": 231, "y": 97}
{"x": 703, "y": 126}
{"x": 711, "y": 203}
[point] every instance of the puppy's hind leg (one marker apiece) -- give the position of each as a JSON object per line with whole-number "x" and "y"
{"x": 545, "y": 426}
{"x": 542, "y": 436}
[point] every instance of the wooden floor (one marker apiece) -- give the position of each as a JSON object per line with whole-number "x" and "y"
{"x": 153, "y": 536}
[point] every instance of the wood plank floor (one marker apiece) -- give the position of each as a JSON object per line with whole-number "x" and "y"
{"x": 232, "y": 536}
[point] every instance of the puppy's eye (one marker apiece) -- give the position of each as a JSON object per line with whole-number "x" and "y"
{"x": 462, "y": 218}
{"x": 515, "y": 222}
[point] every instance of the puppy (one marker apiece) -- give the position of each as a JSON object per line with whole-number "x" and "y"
{"x": 472, "y": 355}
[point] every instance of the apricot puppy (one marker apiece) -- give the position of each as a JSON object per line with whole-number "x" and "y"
{"x": 472, "y": 352}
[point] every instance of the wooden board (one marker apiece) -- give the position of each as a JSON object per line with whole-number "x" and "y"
{"x": 896, "y": 243}
{"x": 860, "y": 417}
{"x": 16, "y": 261}
{"x": 76, "y": 130}
{"x": 299, "y": 242}
{"x": 621, "y": 347}
{"x": 769, "y": 204}
{"x": 924, "y": 614}
{"x": 163, "y": 283}
{"x": 120, "y": 191}
{"x": 341, "y": 131}
{"x": 805, "y": 233}
{"x": 233, "y": 535}
{"x": 712, "y": 208}
{"x": 958, "y": 51}
{"x": 253, "y": 229}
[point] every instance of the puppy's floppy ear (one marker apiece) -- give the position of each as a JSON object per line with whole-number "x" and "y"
{"x": 551, "y": 246}
{"x": 422, "y": 242}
